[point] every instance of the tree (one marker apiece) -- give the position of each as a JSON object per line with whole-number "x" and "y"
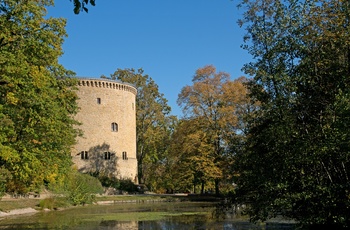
{"x": 296, "y": 160}
{"x": 214, "y": 104}
{"x": 38, "y": 99}
{"x": 190, "y": 160}
{"x": 156, "y": 166}
{"x": 153, "y": 122}
{"x": 81, "y": 5}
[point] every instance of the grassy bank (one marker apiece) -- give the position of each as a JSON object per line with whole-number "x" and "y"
{"x": 12, "y": 204}
{"x": 19, "y": 203}
{"x": 130, "y": 198}
{"x": 8, "y": 204}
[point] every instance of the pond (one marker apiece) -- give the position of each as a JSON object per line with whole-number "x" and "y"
{"x": 167, "y": 215}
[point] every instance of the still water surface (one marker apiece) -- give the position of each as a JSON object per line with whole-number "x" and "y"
{"x": 164, "y": 216}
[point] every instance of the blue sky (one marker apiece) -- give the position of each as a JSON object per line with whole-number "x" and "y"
{"x": 169, "y": 39}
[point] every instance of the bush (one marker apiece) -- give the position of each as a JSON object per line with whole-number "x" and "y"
{"x": 120, "y": 184}
{"x": 109, "y": 182}
{"x": 82, "y": 188}
{"x": 5, "y": 175}
{"x": 128, "y": 186}
{"x": 78, "y": 188}
{"x": 53, "y": 203}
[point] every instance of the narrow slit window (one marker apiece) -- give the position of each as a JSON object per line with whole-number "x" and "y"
{"x": 125, "y": 156}
{"x": 84, "y": 155}
{"x": 114, "y": 127}
{"x": 107, "y": 155}
{"x": 98, "y": 100}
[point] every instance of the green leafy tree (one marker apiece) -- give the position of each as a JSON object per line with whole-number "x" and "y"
{"x": 153, "y": 122}
{"x": 296, "y": 161}
{"x": 216, "y": 106}
{"x": 38, "y": 99}
{"x": 156, "y": 166}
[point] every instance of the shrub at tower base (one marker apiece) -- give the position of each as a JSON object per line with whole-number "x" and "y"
{"x": 77, "y": 189}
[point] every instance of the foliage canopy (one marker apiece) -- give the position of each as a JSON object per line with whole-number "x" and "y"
{"x": 81, "y": 5}
{"x": 153, "y": 122}
{"x": 214, "y": 106}
{"x": 37, "y": 98}
{"x": 296, "y": 162}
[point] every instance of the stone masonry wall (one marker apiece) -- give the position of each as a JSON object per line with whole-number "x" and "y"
{"x": 108, "y": 117}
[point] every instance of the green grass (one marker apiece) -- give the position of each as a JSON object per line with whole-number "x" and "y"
{"x": 130, "y": 216}
{"x": 129, "y": 198}
{"x": 54, "y": 203}
{"x": 8, "y": 205}
{"x": 138, "y": 216}
{"x": 11, "y": 204}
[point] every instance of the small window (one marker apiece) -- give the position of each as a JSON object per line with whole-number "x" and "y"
{"x": 107, "y": 155}
{"x": 98, "y": 100}
{"x": 125, "y": 156}
{"x": 114, "y": 127}
{"x": 84, "y": 155}
{"x": 133, "y": 106}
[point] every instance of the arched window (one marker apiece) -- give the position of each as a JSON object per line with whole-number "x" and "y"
{"x": 114, "y": 127}
{"x": 84, "y": 155}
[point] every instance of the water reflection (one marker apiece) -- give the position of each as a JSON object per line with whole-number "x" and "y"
{"x": 167, "y": 216}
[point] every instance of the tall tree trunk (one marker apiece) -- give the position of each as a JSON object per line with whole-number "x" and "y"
{"x": 217, "y": 189}
{"x": 140, "y": 173}
{"x": 202, "y": 187}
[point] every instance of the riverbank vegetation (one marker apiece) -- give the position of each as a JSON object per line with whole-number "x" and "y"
{"x": 277, "y": 142}
{"x": 58, "y": 202}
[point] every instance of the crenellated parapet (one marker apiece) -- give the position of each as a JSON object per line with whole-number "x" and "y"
{"x": 108, "y": 84}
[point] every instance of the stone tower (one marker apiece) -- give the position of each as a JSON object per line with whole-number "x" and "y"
{"x": 108, "y": 121}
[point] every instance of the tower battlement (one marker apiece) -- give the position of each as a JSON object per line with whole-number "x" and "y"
{"x": 109, "y": 84}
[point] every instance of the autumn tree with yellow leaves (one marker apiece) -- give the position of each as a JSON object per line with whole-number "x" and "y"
{"x": 213, "y": 107}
